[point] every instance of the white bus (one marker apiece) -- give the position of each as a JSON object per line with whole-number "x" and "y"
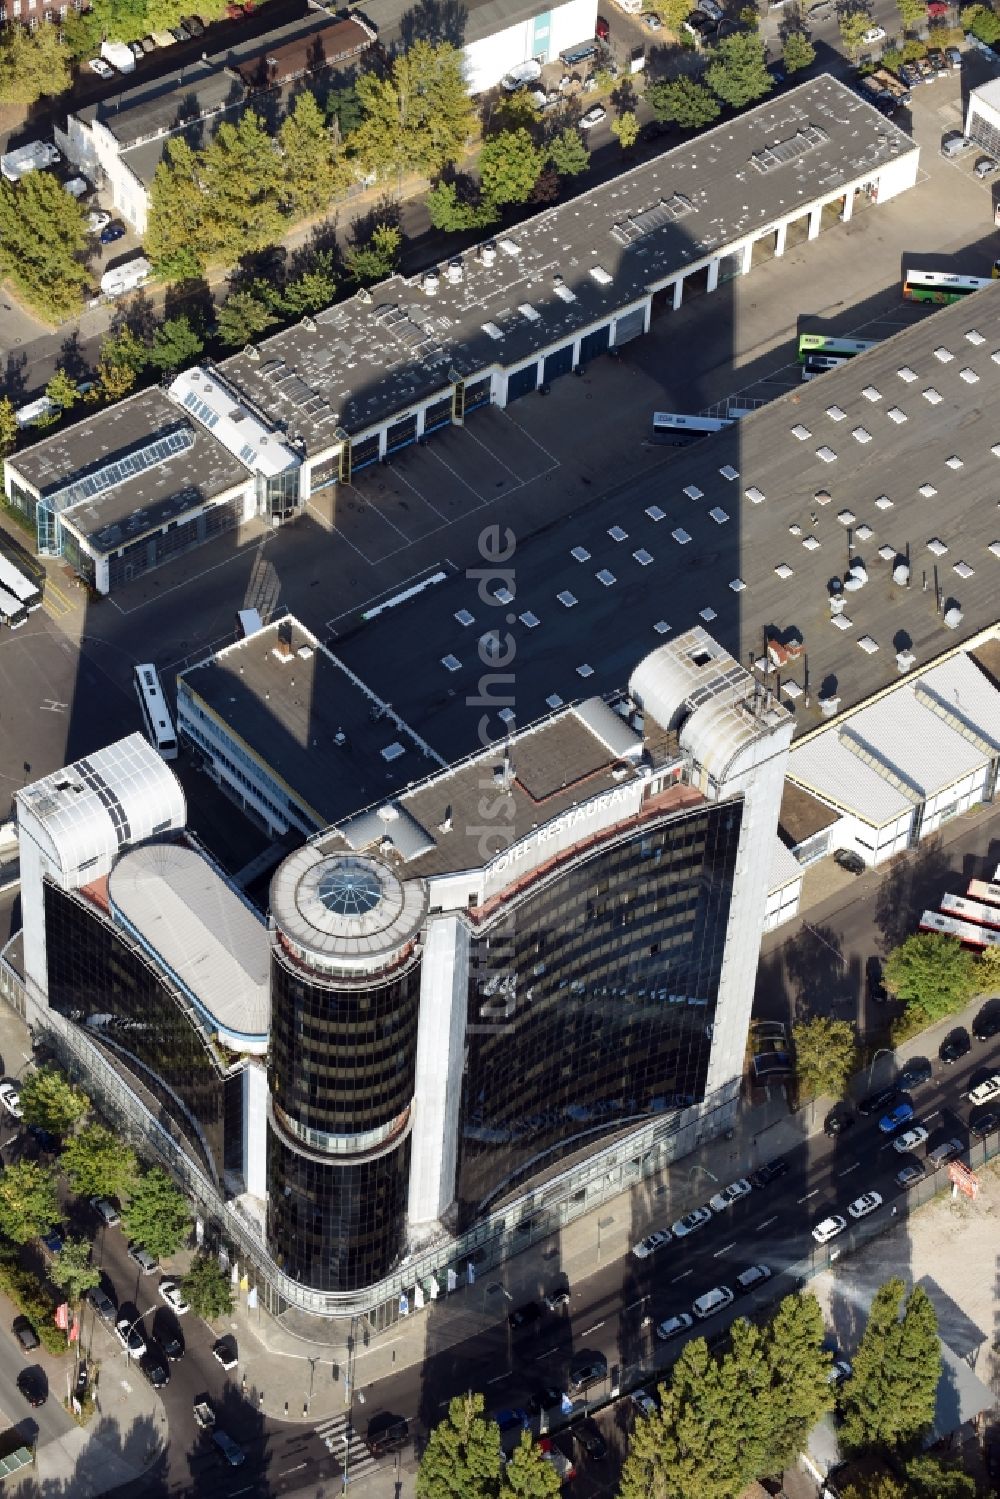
{"x": 156, "y": 720}
{"x": 12, "y": 611}
{"x": 677, "y": 430}
{"x": 14, "y": 581}
{"x": 816, "y": 364}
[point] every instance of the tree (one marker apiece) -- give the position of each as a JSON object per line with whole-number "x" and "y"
{"x": 930, "y": 1478}
{"x": 8, "y": 426}
{"x": 798, "y": 52}
{"x": 738, "y": 71}
{"x": 568, "y": 153}
{"x": 121, "y": 358}
{"x": 983, "y": 22}
{"x": 43, "y": 239}
{"x": 376, "y": 258}
{"x": 62, "y": 392}
{"x": 47, "y": 1099}
{"x": 674, "y": 13}
{"x": 462, "y": 1456}
{"x": 32, "y": 63}
{"x": 683, "y": 101}
{"x": 207, "y": 1289}
{"x": 750, "y": 17}
{"x": 310, "y": 169}
{"x": 853, "y": 25}
{"x": 546, "y": 189}
{"x": 932, "y": 973}
{"x": 419, "y": 117}
{"x": 626, "y": 128}
{"x": 343, "y": 110}
{"x": 825, "y": 1055}
{"x": 176, "y": 343}
{"x": 28, "y": 1203}
{"x": 912, "y": 13}
{"x": 528, "y": 1475}
{"x": 690, "y": 1447}
{"x": 313, "y": 290}
{"x": 889, "y": 1399}
{"x": 450, "y": 211}
{"x": 509, "y": 164}
{"x": 240, "y": 175}
{"x": 242, "y": 318}
{"x": 176, "y": 235}
{"x": 988, "y": 969}
{"x": 72, "y": 1270}
{"x": 99, "y": 1164}
{"x": 799, "y": 1380}
{"x": 158, "y": 1214}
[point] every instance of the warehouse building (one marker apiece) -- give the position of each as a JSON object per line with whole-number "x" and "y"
{"x": 368, "y": 376}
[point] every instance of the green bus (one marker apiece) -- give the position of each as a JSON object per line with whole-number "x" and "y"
{"x": 939, "y": 286}
{"x": 820, "y": 343}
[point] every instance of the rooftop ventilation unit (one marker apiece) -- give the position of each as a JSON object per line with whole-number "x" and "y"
{"x": 488, "y": 253}
{"x": 600, "y": 275}
{"x": 430, "y": 283}
{"x": 454, "y": 272}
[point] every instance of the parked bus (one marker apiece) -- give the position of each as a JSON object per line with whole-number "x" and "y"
{"x": 968, "y": 932}
{"x": 12, "y": 611}
{"x": 677, "y": 431}
{"x": 14, "y": 581}
{"x": 938, "y": 286}
{"x": 818, "y": 343}
{"x": 817, "y": 364}
{"x": 156, "y": 720}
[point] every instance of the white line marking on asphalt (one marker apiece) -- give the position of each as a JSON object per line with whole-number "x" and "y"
{"x": 848, "y": 1169}
{"x": 588, "y": 1330}
{"x": 286, "y": 1471}
{"x": 547, "y": 1354}
{"x": 936, "y": 1115}
{"x": 497, "y": 1378}
{"x": 683, "y": 1276}
{"x": 632, "y": 1306}
{"x": 768, "y": 1221}
{"x": 726, "y": 1250}
{"x": 806, "y": 1198}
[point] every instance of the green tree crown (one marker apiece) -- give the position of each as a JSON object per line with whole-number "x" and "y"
{"x": 738, "y": 72}
{"x": 72, "y": 1271}
{"x": 29, "y": 1206}
{"x": 207, "y": 1289}
{"x": 99, "y": 1164}
{"x": 825, "y": 1055}
{"x": 931, "y": 972}
{"x": 48, "y": 1100}
{"x": 798, "y": 52}
{"x": 158, "y": 1215}
{"x": 462, "y": 1456}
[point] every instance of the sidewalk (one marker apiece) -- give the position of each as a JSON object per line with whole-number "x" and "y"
{"x": 281, "y": 1366}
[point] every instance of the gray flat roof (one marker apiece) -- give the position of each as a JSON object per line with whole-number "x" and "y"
{"x": 206, "y": 935}
{"x": 895, "y": 454}
{"x": 138, "y": 503}
{"x": 289, "y": 711}
{"x": 489, "y": 17}
{"x": 369, "y": 359}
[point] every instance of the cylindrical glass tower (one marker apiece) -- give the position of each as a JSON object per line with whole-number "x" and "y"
{"x": 345, "y": 996}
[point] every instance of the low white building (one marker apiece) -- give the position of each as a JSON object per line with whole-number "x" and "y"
{"x": 901, "y": 766}
{"x": 503, "y": 34}
{"x": 982, "y": 117}
{"x": 784, "y": 889}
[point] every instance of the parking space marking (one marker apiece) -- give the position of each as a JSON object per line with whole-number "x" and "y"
{"x": 373, "y": 506}
{"x": 725, "y": 1250}
{"x": 540, "y": 446}
{"x": 806, "y": 1198}
{"x": 767, "y": 1222}
{"x": 588, "y": 1330}
{"x": 928, "y": 1117}
{"x": 495, "y": 456}
{"x": 422, "y": 497}
{"x": 847, "y": 1170}
{"x": 683, "y": 1276}
{"x": 483, "y": 499}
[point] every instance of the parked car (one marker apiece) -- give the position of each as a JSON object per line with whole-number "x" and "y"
{"x": 909, "y": 75}
{"x": 25, "y": 1334}
{"x": 593, "y": 116}
{"x": 148, "y": 45}
{"x": 112, "y": 232}
{"x": 45, "y": 1141}
{"x": 587, "y": 1370}
{"x": 901, "y": 1114}
{"x": 837, "y": 1121}
{"x": 691, "y": 1222}
{"x": 910, "y": 1174}
{"x": 829, "y": 1228}
{"x": 130, "y": 1337}
{"x": 910, "y": 1139}
{"x": 712, "y": 1301}
{"x": 984, "y": 167}
{"x": 386, "y": 1433}
{"x": 225, "y": 1350}
{"x": 34, "y": 1386}
{"x": 155, "y": 1367}
{"x": 985, "y": 1124}
{"x": 873, "y": 34}
{"x": 524, "y": 1316}
{"x": 945, "y": 1153}
{"x": 849, "y": 860}
{"x": 11, "y": 1100}
{"x": 877, "y": 1100}
{"x": 231, "y": 1452}
{"x": 953, "y": 56}
{"x": 510, "y": 1418}
{"x": 101, "y": 68}
{"x": 752, "y": 1277}
{"x": 865, "y": 1204}
{"x": 53, "y": 1240}
{"x": 143, "y": 1259}
{"x": 674, "y": 1326}
{"x": 840, "y": 1370}
{"x": 170, "y": 1291}
{"x": 172, "y": 1344}
{"x": 545, "y": 1398}
{"x": 102, "y": 1304}
{"x": 194, "y": 25}
{"x": 938, "y": 61}
{"x": 558, "y": 1299}
{"x": 136, "y": 50}
{"x": 588, "y": 1438}
{"x": 643, "y": 1402}
{"x": 917, "y": 1070}
{"x": 729, "y": 1195}
{"x": 877, "y": 991}
{"x": 954, "y": 1047}
{"x": 553, "y": 1454}
{"x": 651, "y": 1243}
{"x": 987, "y": 1025}
{"x": 770, "y": 1172}
{"x": 106, "y": 1211}
{"x": 652, "y": 22}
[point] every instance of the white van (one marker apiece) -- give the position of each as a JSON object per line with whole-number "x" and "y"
{"x": 985, "y": 1092}
{"x": 713, "y": 1301}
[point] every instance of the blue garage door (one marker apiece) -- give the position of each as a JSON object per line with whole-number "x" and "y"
{"x": 592, "y": 344}
{"x": 521, "y": 382}
{"x": 559, "y": 363}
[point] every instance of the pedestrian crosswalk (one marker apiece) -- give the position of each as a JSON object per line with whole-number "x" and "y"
{"x": 346, "y": 1447}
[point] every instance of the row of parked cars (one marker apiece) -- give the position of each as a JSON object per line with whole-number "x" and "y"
{"x": 190, "y": 26}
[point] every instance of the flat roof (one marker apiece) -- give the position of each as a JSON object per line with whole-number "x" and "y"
{"x": 490, "y": 17}
{"x": 139, "y": 497}
{"x": 209, "y": 939}
{"x": 802, "y": 815}
{"x": 368, "y": 358}
{"x": 893, "y": 455}
{"x": 289, "y": 709}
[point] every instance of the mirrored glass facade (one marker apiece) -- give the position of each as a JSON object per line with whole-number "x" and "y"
{"x": 97, "y": 979}
{"x": 591, "y": 1003}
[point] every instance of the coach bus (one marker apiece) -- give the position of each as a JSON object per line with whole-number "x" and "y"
{"x": 970, "y": 933}
{"x": 677, "y": 430}
{"x": 818, "y": 343}
{"x": 156, "y": 720}
{"x": 818, "y": 364}
{"x": 12, "y": 611}
{"x": 938, "y": 286}
{"x": 14, "y": 581}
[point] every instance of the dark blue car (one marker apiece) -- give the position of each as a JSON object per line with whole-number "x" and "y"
{"x": 112, "y": 232}
{"x": 901, "y": 1114}
{"x": 511, "y": 1419}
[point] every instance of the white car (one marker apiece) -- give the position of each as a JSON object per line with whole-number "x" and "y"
{"x": 170, "y": 1291}
{"x": 11, "y": 1100}
{"x": 865, "y": 1204}
{"x": 98, "y": 220}
{"x": 593, "y": 117}
{"x": 690, "y": 1222}
{"x": 910, "y": 1140}
{"x": 130, "y": 1336}
{"x": 101, "y": 68}
{"x": 729, "y": 1195}
{"x": 829, "y": 1228}
{"x": 674, "y": 1326}
{"x": 874, "y": 34}
{"x": 651, "y": 1243}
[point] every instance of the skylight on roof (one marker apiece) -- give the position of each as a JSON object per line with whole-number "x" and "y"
{"x": 707, "y": 614}
{"x": 836, "y": 413}
{"x": 864, "y": 533}
{"x": 975, "y": 337}
{"x": 928, "y": 491}
{"x": 969, "y": 376}
{"x": 681, "y": 536}
{"x": 846, "y": 517}
{"x": 802, "y": 433}
{"x": 883, "y": 502}
{"x": 963, "y": 569}
{"x": 565, "y": 294}
{"x": 937, "y": 546}
{"x": 507, "y": 714}
{"x": 861, "y": 435}
{"x": 643, "y": 557}
{"x": 655, "y": 513}
{"x": 783, "y": 571}
{"x": 887, "y": 553}
{"x": 728, "y": 472}
{"x": 600, "y": 275}
{"x": 493, "y": 331}
{"x": 661, "y": 627}
{"x": 868, "y": 645}
{"x": 945, "y": 355}
{"x": 932, "y": 395}
{"x": 566, "y": 598}
{"x": 503, "y": 595}
{"x": 606, "y": 577}
{"x": 719, "y": 515}
{"x": 464, "y": 617}
{"x": 693, "y": 492}
{"x": 826, "y": 454}
{"x": 895, "y": 415}
{"x": 617, "y": 534}
{"x": 529, "y": 620}
{"x": 737, "y": 585}
{"x": 528, "y": 312}
{"x": 581, "y": 554}
{"x": 841, "y": 622}
{"x": 954, "y": 461}
{"x": 811, "y": 544}
{"x": 905, "y": 373}
{"x": 872, "y": 393}
{"x": 451, "y": 663}
{"x": 586, "y": 670}
{"x": 554, "y": 701}
{"x": 754, "y": 495}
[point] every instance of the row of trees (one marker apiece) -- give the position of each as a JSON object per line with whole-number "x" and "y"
{"x": 513, "y": 168}
{"x": 462, "y": 1460}
{"x": 736, "y": 76}
{"x": 43, "y": 241}
{"x": 96, "y": 1163}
